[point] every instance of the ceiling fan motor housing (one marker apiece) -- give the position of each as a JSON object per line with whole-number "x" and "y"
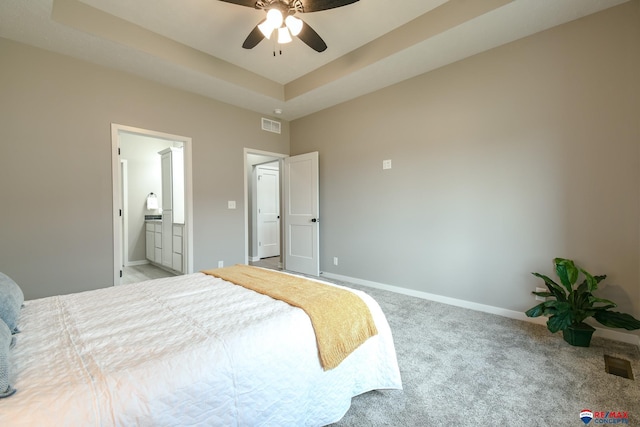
{"x": 285, "y": 7}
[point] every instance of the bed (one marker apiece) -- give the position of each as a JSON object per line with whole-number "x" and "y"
{"x": 190, "y": 350}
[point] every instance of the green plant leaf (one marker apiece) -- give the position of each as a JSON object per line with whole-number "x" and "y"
{"x": 543, "y": 294}
{"x": 554, "y": 305}
{"x": 592, "y": 283}
{"x": 580, "y": 317}
{"x": 536, "y": 311}
{"x": 600, "y": 278}
{"x": 595, "y": 300}
{"x": 558, "y": 292}
{"x": 560, "y": 321}
{"x": 604, "y": 308}
{"x": 584, "y": 287}
{"x": 581, "y": 299}
{"x": 614, "y": 319}
{"x": 567, "y": 272}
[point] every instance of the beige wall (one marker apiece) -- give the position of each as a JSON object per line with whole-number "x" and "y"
{"x": 55, "y": 167}
{"x": 501, "y": 162}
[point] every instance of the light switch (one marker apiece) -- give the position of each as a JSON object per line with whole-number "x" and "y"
{"x": 386, "y": 164}
{"x": 232, "y": 204}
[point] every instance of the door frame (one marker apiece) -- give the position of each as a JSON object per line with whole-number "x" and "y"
{"x": 277, "y": 156}
{"x": 124, "y": 199}
{"x": 116, "y": 129}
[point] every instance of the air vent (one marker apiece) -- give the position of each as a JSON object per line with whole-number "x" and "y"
{"x": 270, "y": 125}
{"x": 619, "y": 367}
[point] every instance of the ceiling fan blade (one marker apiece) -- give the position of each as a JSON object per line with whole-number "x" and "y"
{"x": 254, "y": 37}
{"x": 312, "y": 39}
{"x": 318, "y": 5}
{"x": 248, "y": 3}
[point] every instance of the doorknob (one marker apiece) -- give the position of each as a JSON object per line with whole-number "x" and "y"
{"x": 315, "y": 220}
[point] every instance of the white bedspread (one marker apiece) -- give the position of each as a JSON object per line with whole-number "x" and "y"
{"x": 190, "y": 350}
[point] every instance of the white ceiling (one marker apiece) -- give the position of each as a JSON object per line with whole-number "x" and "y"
{"x": 195, "y": 45}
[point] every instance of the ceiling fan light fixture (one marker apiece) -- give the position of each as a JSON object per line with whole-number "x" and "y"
{"x": 274, "y": 20}
{"x": 274, "y": 17}
{"x": 293, "y": 24}
{"x": 266, "y": 29}
{"x": 284, "y": 36}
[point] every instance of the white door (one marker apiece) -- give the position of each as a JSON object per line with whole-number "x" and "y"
{"x": 301, "y": 206}
{"x": 268, "y": 211}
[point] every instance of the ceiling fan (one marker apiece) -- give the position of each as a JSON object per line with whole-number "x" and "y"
{"x": 281, "y": 20}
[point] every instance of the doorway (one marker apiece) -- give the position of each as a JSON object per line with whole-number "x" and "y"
{"x": 262, "y": 201}
{"x": 140, "y": 147}
{"x": 299, "y": 207}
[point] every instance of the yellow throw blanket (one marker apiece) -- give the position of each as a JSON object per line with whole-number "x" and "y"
{"x": 341, "y": 319}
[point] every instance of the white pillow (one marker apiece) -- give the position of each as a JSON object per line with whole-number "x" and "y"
{"x": 11, "y": 299}
{"x": 5, "y": 343}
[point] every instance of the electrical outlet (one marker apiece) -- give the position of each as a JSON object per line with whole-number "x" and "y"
{"x": 386, "y": 164}
{"x": 541, "y": 290}
{"x": 335, "y": 260}
{"x": 220, "y": 264}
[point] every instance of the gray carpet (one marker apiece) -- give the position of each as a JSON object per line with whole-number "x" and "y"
{"x": 465, "y": 368}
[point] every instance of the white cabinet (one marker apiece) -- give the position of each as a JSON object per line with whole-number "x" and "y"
{"x": 165, "y": 159}
{"x": 157, "y": 240}
{"x": 178, "y": 247}
{"x": 153, "y": 243}
{"x": 172, "y": 163}
{"x": 157, "y": 257}
{"x": 167, "y": 241}
{"x": 150, "y": 242}
{"x": 165, "y": 238}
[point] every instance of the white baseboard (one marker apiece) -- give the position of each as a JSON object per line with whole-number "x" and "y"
{"x": 254, "y": 258}
{"x": 626, "y": 337}
{"x": 141, "y": 262}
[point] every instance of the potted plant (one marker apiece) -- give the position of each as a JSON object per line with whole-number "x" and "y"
{"x": 568, "y": 305}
